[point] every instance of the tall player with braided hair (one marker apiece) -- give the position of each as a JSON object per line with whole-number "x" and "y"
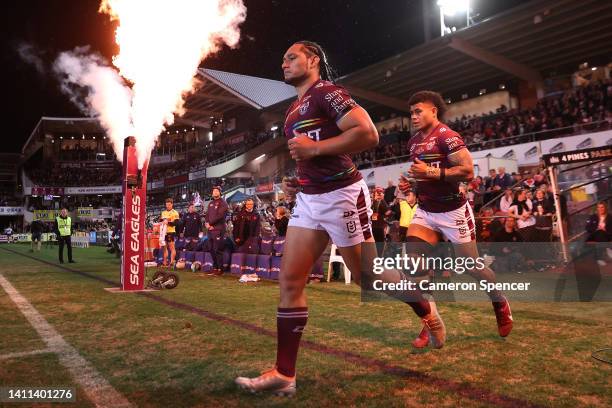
{"x": 440, "y": 162}
{"x": 324, "y": 126}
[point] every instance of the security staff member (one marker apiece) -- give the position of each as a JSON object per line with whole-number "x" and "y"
{"x": 215, "y": 225}
{"x": 407, "y": 210}
{"x": 63, "y": 231}
{"x": 246, "y": 228}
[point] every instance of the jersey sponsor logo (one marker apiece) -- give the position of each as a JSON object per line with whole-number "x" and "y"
{"x": 454, "y": 145}
{"x": 335, "y": 94}
{"x": 442, "y": 129}
{"x": 459, "y": 222}
{"x": 304, "y": 108}
{"x": 348, "y": 214}
{"x": 452, "y": 139}
{"x": 314, "y": 134}
{"x": 351, "y": 226}
{"x": 319, "y": 85}
{"x": 430, "y": 145}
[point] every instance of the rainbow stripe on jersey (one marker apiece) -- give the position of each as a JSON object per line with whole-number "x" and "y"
{"x": 308, "y": 122}
{"x": 333, "y": 177}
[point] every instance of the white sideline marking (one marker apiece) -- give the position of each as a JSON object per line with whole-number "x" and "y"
{"x": 98, "y": 390}
{"x": 24, "y": 354}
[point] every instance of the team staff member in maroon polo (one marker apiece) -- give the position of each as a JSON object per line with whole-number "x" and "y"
{"x": 216, "y": 226}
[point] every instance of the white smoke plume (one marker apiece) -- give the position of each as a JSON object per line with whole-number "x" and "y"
{"x": 98, "y": 91}
{"x": 161, "y": 43}
{"x": 32, "y": 55}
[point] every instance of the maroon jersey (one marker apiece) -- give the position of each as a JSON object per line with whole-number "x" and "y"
{"x": 316, "y": 115}
{"x": 434, "y": 149}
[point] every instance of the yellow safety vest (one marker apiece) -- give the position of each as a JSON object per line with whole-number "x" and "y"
{"x": 406, "y": 213}
{"x": 63, "y": 225}
{"x": 171, "y": 215}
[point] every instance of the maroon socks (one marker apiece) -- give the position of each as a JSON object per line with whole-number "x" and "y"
{"x": 290, "y": 323}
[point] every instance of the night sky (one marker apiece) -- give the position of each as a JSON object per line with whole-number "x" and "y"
{"x": 354, "y": 33}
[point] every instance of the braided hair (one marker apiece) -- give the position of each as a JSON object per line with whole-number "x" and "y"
{"x": 325, "y": 69}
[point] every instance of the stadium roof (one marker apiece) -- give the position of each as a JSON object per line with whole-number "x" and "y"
{"x": 524, "y": 42}
{"x": 221, "y": 91}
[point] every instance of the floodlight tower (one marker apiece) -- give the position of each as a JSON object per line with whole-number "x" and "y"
{"x": 451, "y": 8}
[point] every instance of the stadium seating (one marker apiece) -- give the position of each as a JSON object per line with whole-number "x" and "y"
{"x": 263, "y": 266}
{"x": 275, "y": 263}
{"x": 238, "y": 260}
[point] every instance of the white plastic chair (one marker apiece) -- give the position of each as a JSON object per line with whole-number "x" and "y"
{"x": 334, "y": 256}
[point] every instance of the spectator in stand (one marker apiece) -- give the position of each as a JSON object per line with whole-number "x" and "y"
{"x": 506, "y": 201}
{"x": 281, "y": 221}
{"x": 509, "y": 258}
{"x": 522, "y": 210}
{"x": 390, "y": 192}
{"x": 476, "y": 191}
{"x": 543, "y": 211}
{"x": 528, "y": 181}
{"x": 508, "y": 233}
{"x": 379, "y": 208}
{"x": 502, "y": 181}
{"x": 247, "y": 227}
{"x": 599, "y": 225}
{"x": 488, "y": 186}
{"x": 216, "y": 226}
{"x": 528, "y": 195}
{"x": 542, "y": 201}
{"x": 539, "y": 179}
{"x": 487, "y": 225}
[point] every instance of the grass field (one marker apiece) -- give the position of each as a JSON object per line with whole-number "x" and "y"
{"x": 183, "y": 347}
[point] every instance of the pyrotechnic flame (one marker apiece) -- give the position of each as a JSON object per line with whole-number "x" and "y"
{"x": 161, "y": 44}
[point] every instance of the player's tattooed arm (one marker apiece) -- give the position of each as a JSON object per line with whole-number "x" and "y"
{"x": 461, "y": 166}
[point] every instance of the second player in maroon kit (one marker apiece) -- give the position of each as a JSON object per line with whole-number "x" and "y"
{"x": 440, "y": 162}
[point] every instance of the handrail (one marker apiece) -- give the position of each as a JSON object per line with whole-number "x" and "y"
{"x": 533, "y": 135}
{"x": 585, "y": 184}
{"x": 499, "y": 195}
